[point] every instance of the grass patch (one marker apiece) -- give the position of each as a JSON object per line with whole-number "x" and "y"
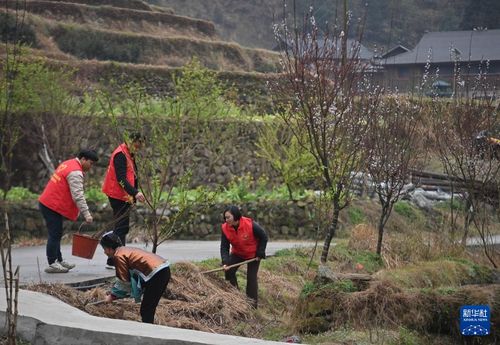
{"x": 328, "y": 289}
{"x": 408, "y": 211}
{"x": 348, "y": 258}
{"x": 356, "y": 215}
{"x": 289, "y": 262}
{"x": 438, "y": 274}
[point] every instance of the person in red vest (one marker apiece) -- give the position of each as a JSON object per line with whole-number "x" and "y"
{"x": 121, "y": 185}
{"x": 247, "y": 240}
{"x": 63, "y": 197}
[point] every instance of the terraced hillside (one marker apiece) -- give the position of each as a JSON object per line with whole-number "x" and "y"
{"x": 148, "y": 35}
{"x": 133, "y": 37}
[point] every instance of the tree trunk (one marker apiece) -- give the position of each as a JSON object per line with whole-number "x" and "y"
{"x": 332, "y": 229}
{"x": 381, "y": 224}
{"x": 469, "y": 217}
{"x": 290, "y": 193}
{"x": 155, "y": 235}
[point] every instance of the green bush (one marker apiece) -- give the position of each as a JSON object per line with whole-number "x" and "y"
{"x": 39, "y": 88}
{"x": 20, "y": 194}
{"x": 95, "y": 194}
{"x": 12, "y": 32}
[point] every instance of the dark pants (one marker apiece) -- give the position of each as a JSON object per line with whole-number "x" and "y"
{"x": 153, "y": 290}
{"x": 121, "y": 216}
{"x": 252, "y": 270}
{"x": 54, "y": 222}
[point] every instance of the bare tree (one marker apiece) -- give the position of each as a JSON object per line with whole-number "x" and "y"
{"x": 472, "y": 166}
{"x": 394, "y": 142}
{"x": 331, "y": 100}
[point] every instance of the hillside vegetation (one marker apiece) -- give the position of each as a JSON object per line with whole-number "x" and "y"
{"x": 137, "y": 36}
{"x": 388, "y": 23}
{"x": 133, "y": 41}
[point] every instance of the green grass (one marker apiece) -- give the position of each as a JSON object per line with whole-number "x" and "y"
{"x": 370, "y": 260}
{"x": 409, "y": 211}
{"x": 356, "y": 215}
{"x": 439, "y": 274}
{"x": 329, "y": 289}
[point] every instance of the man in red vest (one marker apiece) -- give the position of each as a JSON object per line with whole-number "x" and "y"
{"x": 121, "y": 185}
{"x": 63, "y": 198}
{"x": 247, "y": 240}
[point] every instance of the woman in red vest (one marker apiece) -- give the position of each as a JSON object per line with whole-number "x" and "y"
{"x": 121, "y": 185}
{"x": 63, "y": 198}
{"x": 247, "y": 240}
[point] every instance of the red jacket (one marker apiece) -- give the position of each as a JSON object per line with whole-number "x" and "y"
{"x": 57, "y": 195}
{"x": 243, "y": 242}
{"x": 111, "y": 187}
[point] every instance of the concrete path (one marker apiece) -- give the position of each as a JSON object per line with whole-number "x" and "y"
{"x": 477, "y": 241}
{"x": 32, "y": 260}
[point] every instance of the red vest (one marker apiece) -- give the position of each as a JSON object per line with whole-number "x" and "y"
{"x": 243, "y": 242}
{"x": 57, "y": 195}
{"x": 111, "y": 187}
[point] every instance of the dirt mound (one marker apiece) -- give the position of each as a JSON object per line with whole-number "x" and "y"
{"x": 192, "y": 301}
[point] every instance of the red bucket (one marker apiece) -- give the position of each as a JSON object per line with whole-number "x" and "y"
{"x": 84, "y": 246}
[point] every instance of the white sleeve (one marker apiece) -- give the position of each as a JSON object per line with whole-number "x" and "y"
{"x": 75, "y": 181}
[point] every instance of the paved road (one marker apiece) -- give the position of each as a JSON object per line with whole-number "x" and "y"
{"x": 476, "y": 241}
{"x": 32, "y": 260}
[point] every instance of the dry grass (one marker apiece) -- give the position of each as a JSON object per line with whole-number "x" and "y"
{"x": 191, "y": 301}
{"x": 123, "y": 19}
{"x": 400, "y": 249}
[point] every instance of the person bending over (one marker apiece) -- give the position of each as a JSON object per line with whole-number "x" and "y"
{"x": 139, "y": 273}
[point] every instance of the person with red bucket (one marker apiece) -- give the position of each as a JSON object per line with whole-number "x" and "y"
{"x": 63, "y": 197}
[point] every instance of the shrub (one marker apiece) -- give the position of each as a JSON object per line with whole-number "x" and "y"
{"x": 20, "y": 194}
{"x": 10, "y": 33}
{"x": 95, "y": 194}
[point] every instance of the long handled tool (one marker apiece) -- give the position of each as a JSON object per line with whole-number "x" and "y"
{"x": 230, "y": 266}
{"x": 96, "y": 303}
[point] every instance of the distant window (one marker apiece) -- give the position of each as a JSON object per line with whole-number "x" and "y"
{"x": 403, "y": 72}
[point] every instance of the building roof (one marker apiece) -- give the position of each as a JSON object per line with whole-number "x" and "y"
{"x": 399, "y": 49}
{"x": 364, "y": 53}
{"x": 451, "y": 46}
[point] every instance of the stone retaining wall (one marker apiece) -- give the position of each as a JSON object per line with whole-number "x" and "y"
{"x": 233, "y": 155}
{"x": 282, "y": 220}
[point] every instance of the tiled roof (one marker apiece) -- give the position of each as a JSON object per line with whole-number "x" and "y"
{"x": 451, "y": 46}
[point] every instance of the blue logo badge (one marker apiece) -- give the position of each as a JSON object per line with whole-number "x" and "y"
{"x": 475, "y": 320}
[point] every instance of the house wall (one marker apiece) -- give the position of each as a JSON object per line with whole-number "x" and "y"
{"x": 408, "y": 78}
